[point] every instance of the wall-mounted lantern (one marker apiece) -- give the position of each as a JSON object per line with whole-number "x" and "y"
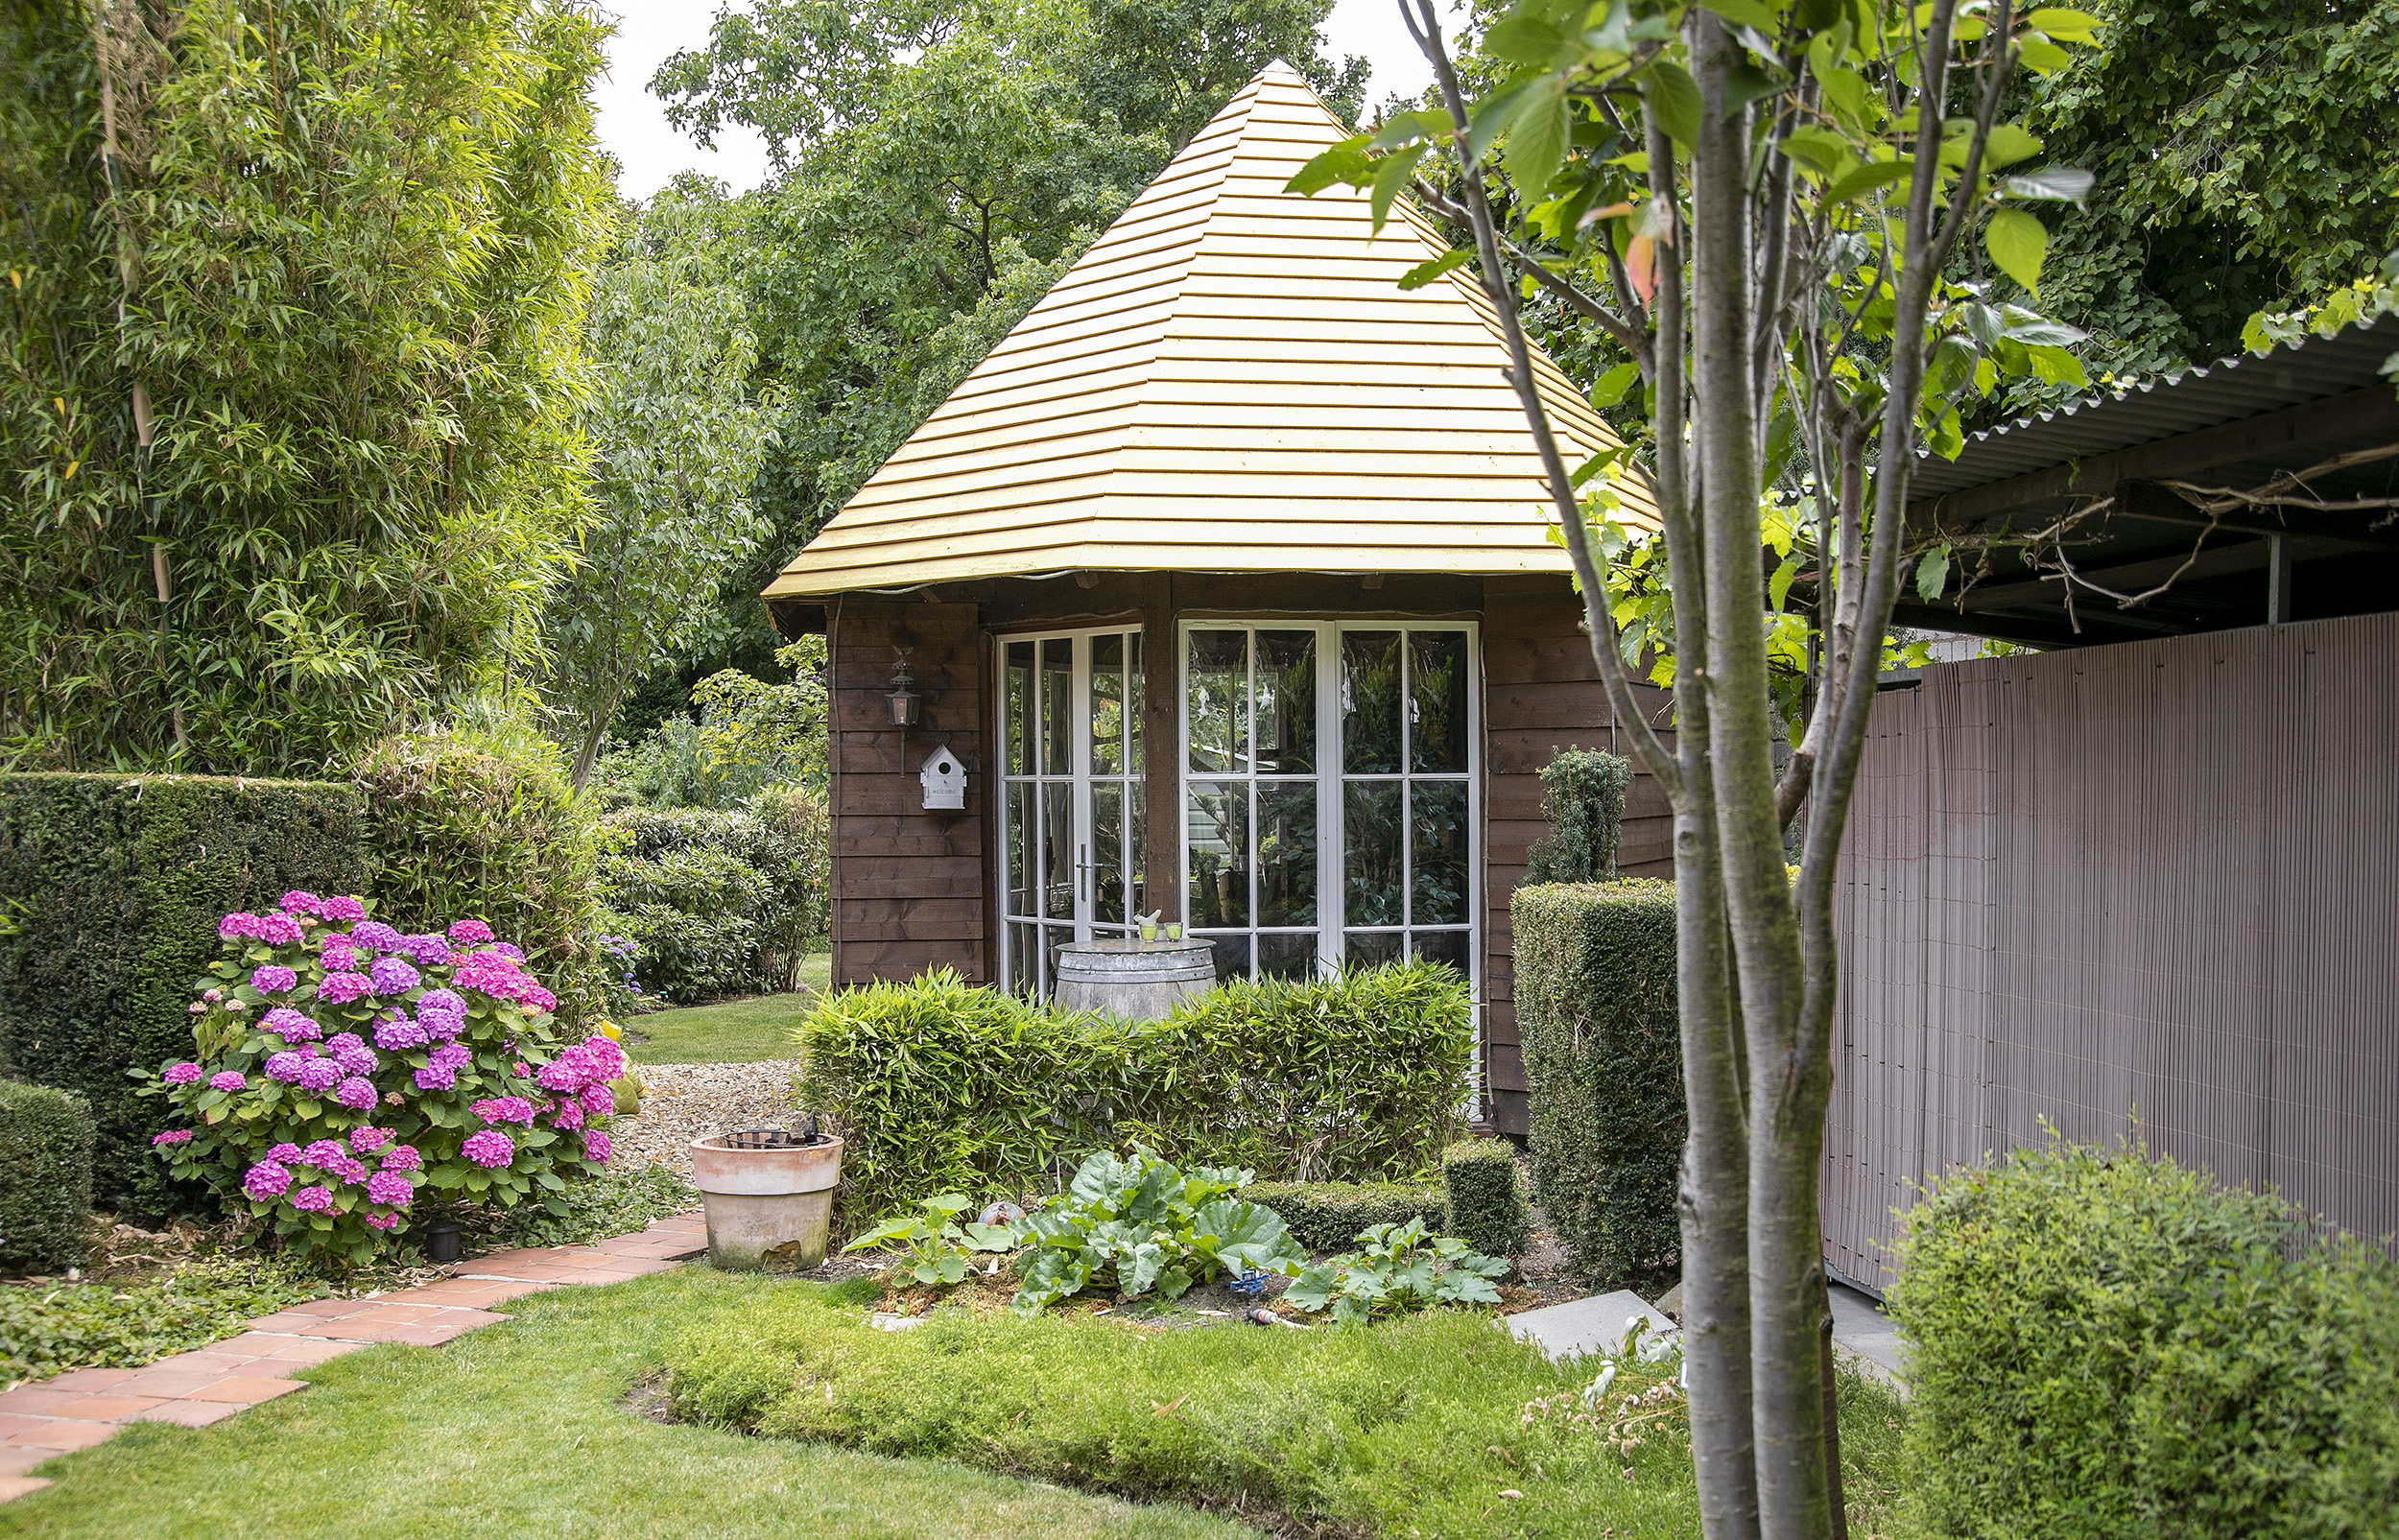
{"x": 944, "y": 781}
{"x": 903, "y": 700}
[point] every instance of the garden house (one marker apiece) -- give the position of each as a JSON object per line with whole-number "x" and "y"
{"x": 2154, "y": 871}
{"x": 1226, "y": 583}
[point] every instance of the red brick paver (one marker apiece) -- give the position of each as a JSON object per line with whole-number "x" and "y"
{"x": 86, "y": 1406}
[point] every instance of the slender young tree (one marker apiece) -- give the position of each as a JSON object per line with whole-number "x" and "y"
{"x": 1756, "y": 201}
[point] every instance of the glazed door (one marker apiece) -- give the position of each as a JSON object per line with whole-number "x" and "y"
{"x": 1071, "y": 808}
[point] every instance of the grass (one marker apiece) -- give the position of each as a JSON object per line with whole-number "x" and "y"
{"x": 1418, "y": 1428}
{"x": 739, "y": 1032}
{"x": 522, "y": 1429}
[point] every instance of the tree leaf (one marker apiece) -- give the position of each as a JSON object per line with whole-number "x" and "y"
{"x": 1748, "y": 13}
{"x": 1933, "y": 573}
{"x": 2017, "y": 242}
{"x": 1390, "y": 177}
{"x": 1672, "y": 99}
{"x": 1867, "y": 179}
{"x": 2007, "y": 145}
{"x": 2069, "y": 26}
{"x": 1538, "y": 135}
{"x": 1611, "y": 388}
{"x": 2064, "y": 184}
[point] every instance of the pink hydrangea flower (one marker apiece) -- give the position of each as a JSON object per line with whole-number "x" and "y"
{"x": 234, "y": 927}
{"x": 286, "y": 1066}
{"x": 606, "y": 1058}
{"x": 354, "y": 1057}
{"x": 441, "y": 1014}
{"x": 313, "y": 1200}
{"x": 277, "y": 930}
{"x": 491, "y": 1148}
{"x": 356, "y": 1093}
{"x": 567, "y": 1114}
{"x": 348, "y": 1168}
{"x": 435, "y": 1077}
{"x": 272, "y": 978}
{"x": 597, "y": 1099}
{"x": 366, "y": 1141}
{"x": 391, "y": 1190}
{"x": 267, "y": 1179}
{"x": 429, "y": 951}
{"x": 320, "y": 1074}
{"x": 173, "y": 1137}
{"x": 183, "y": 1073}
{"x": 291, "y": 1026}
{"x": 393, "y": 976}
{"x": 504, "y": 1109}
{"x": 452, "y": 1055}
{"x": 399, "y": 1033}
{"x": 402, "y": 1157}
{"x": 382, "y": 1222}
{"x": 568, "y": 1072}
{"x": 321, "y": 1153}
{"x": 377, "y": 934}
{"x": 470, "y": 933}
{"x": 228, "y": 1081}
{"x": 596, "y": 1146}
{"x": 288, "y": 1153}
{"x": 344, "y": 910}
{"x": 341, "y": 987}
{"x": 297, "y": 902}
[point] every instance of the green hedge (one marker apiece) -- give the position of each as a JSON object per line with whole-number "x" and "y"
{"x": 1603, "y": 1049}
{"x": 2104, "y": 1344}
{"x": 1330, "y": 1216}
{"x": 1582, "y": 794}
{"x": 110, "y": 889}
{"x": 1481, "y": 1203}
{"x": 720, "y": 903}
{"x": 938, "y": 1086}
{"x": 45, "y": 1177}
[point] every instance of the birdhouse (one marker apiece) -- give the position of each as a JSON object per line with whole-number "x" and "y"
{"x": 944, "y": 780}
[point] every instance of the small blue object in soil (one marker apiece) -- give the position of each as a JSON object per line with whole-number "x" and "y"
{"x": 1250, "y": 1284}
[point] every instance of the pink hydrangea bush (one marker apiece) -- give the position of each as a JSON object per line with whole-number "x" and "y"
{"x": 345, "y": 1074}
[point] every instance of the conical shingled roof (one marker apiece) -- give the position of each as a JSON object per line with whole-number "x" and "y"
{"x": 1230, "y": 380}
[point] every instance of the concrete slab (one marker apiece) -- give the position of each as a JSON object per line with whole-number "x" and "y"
{"x": 1581, "y": 1326}
{"x": 1860, "y": 1327}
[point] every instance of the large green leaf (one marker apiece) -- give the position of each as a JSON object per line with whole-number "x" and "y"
{"x": 1537, "y": 135}
{"x": 2017, "y": 242}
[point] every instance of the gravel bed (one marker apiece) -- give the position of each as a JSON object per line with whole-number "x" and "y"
{"x": 682, "y": 1102}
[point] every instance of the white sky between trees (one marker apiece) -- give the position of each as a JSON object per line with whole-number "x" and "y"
{"x": 632, "y": 123}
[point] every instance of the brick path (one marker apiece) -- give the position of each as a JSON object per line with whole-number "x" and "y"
{"x": 84, "y": 1406}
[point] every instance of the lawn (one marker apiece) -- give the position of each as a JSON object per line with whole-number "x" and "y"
{"x": 523, "y": 1428}
{"x": 739, "y": 1032}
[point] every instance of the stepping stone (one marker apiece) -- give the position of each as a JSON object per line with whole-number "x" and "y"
{"x": 1581, "y": 1326}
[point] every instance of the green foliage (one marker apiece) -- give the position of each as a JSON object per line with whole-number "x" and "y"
{"x": 1583, "y": 791}
{"x": 1331, "y": 1216}
{"x": 720, "y": 903}
{"x": 1415, "y": 1424}
{"x": 2102, "y": 1344}
{"x": 616, "y": 1202}
{"x": 126, "y": 1325}
{"x": 1482, "y": 1204}
{"x": 1398, "y": 1268}
{"x": 2362, "y": 303}
{"x": 1595, "y": 1001}
{"x": 2242, "y": 164}
{"x": 679, "y": 442}
{"x": 288, "y": 367}
{"x": 1139, "y": 1224}
{"x": 483, "y": 824}
{"x": 111, "y": 888}
{"x": 45, "y": 1180}
{"x": 937, "y": 1246}
{"x": 937, "y": 1087}
{"x": 750, "y": 737}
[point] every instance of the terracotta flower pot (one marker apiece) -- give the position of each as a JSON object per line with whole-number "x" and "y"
{"x": 766, "y": 1208}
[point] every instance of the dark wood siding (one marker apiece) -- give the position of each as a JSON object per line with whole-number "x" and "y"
{"x": 2155, "y": 880}
{"x": 1542, "y": 693}
{"x": 910, "y": 889}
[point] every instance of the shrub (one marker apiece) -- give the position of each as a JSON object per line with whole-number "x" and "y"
{"x": 125, "y": 1325}
{"x": 1397, "y": 1268}
{"x": 110, "y": 886}
{"x": 1583, "y": 793}
{"x": 2103, "y": 1343}
{"x": 45, "y": 1177}
{"x": 940, "y": 1087}
{"x": 720, "y": 903}
{"x": 1602, "y": 1048}
{"x": 1331, "y": 1216}
{"x": 1481, "y": 1204}
{"x": 467, "y": 1089}
{"x": 483, "y": 824}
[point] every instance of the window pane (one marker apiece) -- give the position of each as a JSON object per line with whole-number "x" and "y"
{"x": 1217, "y": 702}
{"x": 1287, "y": 852}
{"x": 1232, "y": 955}
{"x": 1288, "y": 956}
{"x": 1023, "y": 957}
{"x": 1020, "y": 706}
{"x": 1137, "y": 847}
{"x": 1370, "y": 703}
{"x": 1135, "y": 697}
{"x": 1218, "y": 858}
{"x": 1367, "y": 949}
{"x": 1371, "y": 867}
{"x": 1108, "y": 853}
{"x": 1052, "y": 938}
{"x": 1021, "y": 836}
{"x": 1057, "y": 706}
{"x": 1437, "y": 823}
{"x": 1107, "y": 705}
{"x": 1443, "y": 946}
{"x": 1287, "y": 702}
{"x": 1058, "y": 852}
{"x": 1436, "y": 710}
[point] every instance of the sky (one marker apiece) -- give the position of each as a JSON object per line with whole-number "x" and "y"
{"x": 632, "y": 123}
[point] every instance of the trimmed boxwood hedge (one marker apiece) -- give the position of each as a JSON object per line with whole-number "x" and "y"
{"x": 111, "y": 887}
{"x": 1329, "y": 1215}
{"x": 1603, "y": 1050}
{"x": 1481, "y": 1203}
{"x": 2102, "y": 1344}
{"x": 45, "y": 1177}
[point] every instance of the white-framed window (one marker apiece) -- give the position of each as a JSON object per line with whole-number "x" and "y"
{"x": 1329, "y": 811}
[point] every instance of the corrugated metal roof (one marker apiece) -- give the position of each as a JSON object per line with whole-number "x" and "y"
{"x": 2292, "y": 374}
{"x": 1230, "y": 380}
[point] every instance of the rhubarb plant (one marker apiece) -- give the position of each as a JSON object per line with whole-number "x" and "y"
{"x": 1141, "y": 1225}
{"x": 1398, "y": 1268}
